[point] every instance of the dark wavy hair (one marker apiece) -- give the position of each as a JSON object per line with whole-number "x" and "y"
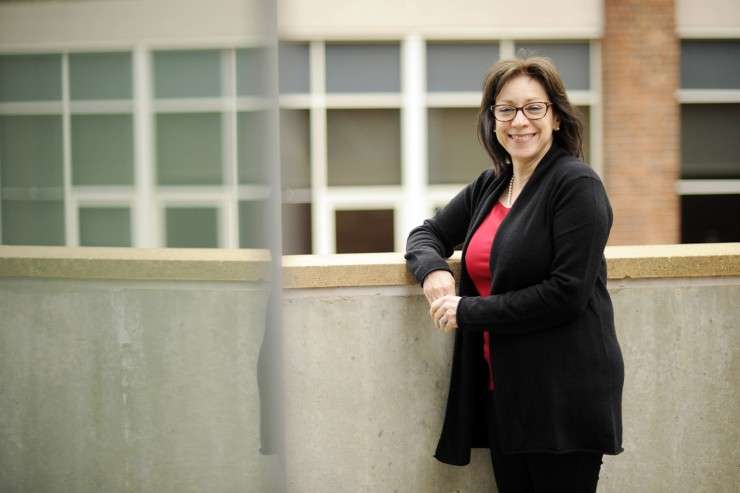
{"x": 570, "y": 135}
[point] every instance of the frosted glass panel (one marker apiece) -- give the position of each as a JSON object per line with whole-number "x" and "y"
{"x": 710, "y": 147}
{"x": 295, "y": 148}
{"x": 105, "y": 226}
{"x": 710, "y": 64}
{"x": 571, "y": 60}
{"x": 363, "y": 68}
{"x": 253, "y": 224}
{"x": 33, "y": 222}
{"x": 187, "y": 74}
{"x": 459, "y": 66}
{"x": 100, "y": 76}
{"x": 189, "y": 149}
{"x": 364, "y": 147}
{"x": 252, "y": 65}
{"x": 454, "y": 154}
{"x": 252, "y": 151}
{"x": 30, "y": 78}
{"x": 102, "y": 150}
{"x": 294, "y": 68}
{"x": 192, "y": 227}
{"x": 364, "y": 231}
{"x": 31, "y": 151}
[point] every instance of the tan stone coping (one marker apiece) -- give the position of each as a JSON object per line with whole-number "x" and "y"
{"x": 174, "y": 264}
{"x": 316, "y": 271}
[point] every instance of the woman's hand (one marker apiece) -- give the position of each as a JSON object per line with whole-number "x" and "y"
{"x": 444, "y": 312}
{"x": 438, "y": 283}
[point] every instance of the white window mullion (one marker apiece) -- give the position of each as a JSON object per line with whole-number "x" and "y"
{"x": 708, "y": 187}
{"x": 506, "y": 49}
{"x": 413, "y": 208}
{"x": 146, "y": 212}
{"x": 596, "y": 120}
{"x": 229, "y": 215}
{"x": 322, "y": 215}
{"x": 71, "y": 227}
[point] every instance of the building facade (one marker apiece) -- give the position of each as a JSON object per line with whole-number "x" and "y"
{"x": 122, "y": 124}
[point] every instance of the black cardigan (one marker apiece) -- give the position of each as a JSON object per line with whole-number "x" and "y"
{"x": 557, "y": 365}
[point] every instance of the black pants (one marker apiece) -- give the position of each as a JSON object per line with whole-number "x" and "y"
{"x": 573, "y": 472}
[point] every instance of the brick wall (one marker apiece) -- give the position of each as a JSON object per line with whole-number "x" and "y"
{"x": 640, "y": 60}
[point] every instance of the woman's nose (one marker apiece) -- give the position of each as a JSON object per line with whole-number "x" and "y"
{"x": 519, "y": 118}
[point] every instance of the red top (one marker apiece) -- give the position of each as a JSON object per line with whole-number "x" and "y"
{"x": 477, "y": 263}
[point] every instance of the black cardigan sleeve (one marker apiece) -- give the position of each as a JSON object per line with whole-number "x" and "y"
{"x": 580, "y": 228}
{"x": 429, "y": 245}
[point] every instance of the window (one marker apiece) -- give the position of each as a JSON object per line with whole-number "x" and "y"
{"x": 710, "y": 150}
{"x": 192, "y": 133}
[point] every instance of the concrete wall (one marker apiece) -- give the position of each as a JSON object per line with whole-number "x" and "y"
{"x": 129, "y": 386}
{"x": 149, "y": 383}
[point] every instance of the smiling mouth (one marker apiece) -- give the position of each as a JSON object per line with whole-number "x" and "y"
{"x": 519, "y": 138}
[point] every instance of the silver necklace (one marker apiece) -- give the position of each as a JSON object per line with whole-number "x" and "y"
{"x": 511, "y": 187}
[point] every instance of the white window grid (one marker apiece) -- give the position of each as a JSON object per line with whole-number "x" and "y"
{"x": 412, "y": 201}
{"x": 146, "y": 200}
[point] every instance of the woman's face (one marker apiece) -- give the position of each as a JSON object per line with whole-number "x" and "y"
{"x": 526, "y": 141}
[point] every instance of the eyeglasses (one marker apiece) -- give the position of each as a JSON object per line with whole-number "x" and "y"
{"x": 533, "y": 111}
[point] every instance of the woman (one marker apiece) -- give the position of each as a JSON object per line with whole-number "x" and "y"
{"x": 537, "y": 371}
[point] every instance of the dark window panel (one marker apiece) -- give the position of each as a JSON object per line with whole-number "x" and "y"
{"x": 295, "y": 148}
{"x": 710, "y": 218}
{"x": 187, "y": 74}
{"x": 296, "y": 229}
{"x": 459, "y": 66}
{"x": 31, "y": 152}
{"x": 363, "y": 68}
{"x": 30, "y": 78}
{"x": 710, "y": 64}
{"x": 252, "y": 72}
{"x": 105, "y": 226}
{"x": 189, "y": 149}
{"x": 710, "y": 147}
{"x": 454, "y": 154}
{"x": 294, "y": 68}
{"x": 364, "y": 147}
{"x": 253, "y": 224}
{"x": 361, "y": 231}
{"x": 571, "y": 59}
{"x": 100, "y": 76}
{"x": 192, "y": 227}
{"x": 252, "y": 147}
{"x": 33, "y": 222}
{"x": 102, "y": 150}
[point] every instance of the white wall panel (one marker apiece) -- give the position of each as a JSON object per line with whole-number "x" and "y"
{"x": 440, "y": 18}
{"x": 30, "y": 25}
{"x": 708, "y": 18}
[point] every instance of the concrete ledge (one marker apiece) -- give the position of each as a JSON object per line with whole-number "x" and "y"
{"x": 316, "y": 271}
{"x": 173, "y": 264}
